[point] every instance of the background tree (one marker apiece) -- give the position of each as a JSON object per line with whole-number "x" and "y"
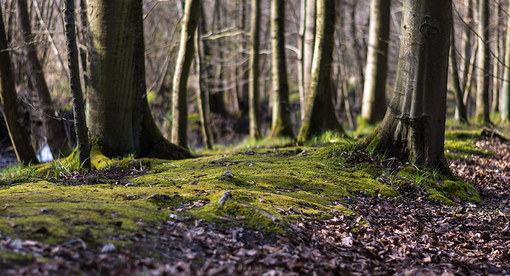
{"x": 505, "y": 91}
{"x": 282, "y": 125}
{"x": 55, "y": 136}
{"x": 202, "y": 93}
{"x": 180, "y": 84}
{"x": 374, "y": 89}
{"x": 457, "y": 90}
{"x": 82, "y": 135}
{"x": 254, "y": 70}
{"x": 118, "y": 114}
{"x": 308, "y": 47}
{"x": 19, "y": 136}
{"x": 413, "y": 128}
{"x": 483, "y": 64}
{"x": 317, "y": 116}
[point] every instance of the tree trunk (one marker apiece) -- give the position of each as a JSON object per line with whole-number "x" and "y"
{"x": 461, "y": 108}
{"x": 467, "y": 43}
{"x": 254, "y": 71}
{"x": 308, "y": 46}
{"x": 12, "y": 116}
{"x": 414, "y": 124}
{"x": 55, "y": 135}
{"x": 317, "y": 115}
{"x": 374, "y": 89}
{"x": 482, "y": 113}
{"x": 504, "y": 102}
{"x": 202, "y": 93}
{"x": 82, "y": 136}
{"x": 301, "y": 65}
{"x": 496, "y": 68}
{"x": 180, "y": 83}
{"x": 282, "y": 125}
{"x": 118, "y": 113}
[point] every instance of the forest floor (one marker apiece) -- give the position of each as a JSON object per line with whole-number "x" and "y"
{"x": 322, "y": 209}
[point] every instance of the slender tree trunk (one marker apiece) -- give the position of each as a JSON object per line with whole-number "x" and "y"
{"x": 180, "y": 84}
{"x": 467, "y": 42}
{"x": 82, "y": 136}
{"x": 118, "y": 113}
{"x": 202, "y": 93}
{"x": 504, "y": 102}
{"x": 308, "y": 46}
{"x": 357, "y": 49}
{"x": 483, "y": 77}
{"x": 301, "y": 65}
{"x": 316, "y": 113}
{"x": 54, "y": 133}
{"x": 461, "y": 108}
{"x": 282, "y": 125}
{"x": 254, "y": 71}
{"x": 12, "y": 116}
{"x": 496, "y": 70}
{"x": 374, "y": 92}
{"x": 84, "y": 32}
{"x": 414, "y": 125}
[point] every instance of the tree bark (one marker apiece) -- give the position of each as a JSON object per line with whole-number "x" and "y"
{"x": 414, "y": 124}
{"x": 282, "y": 125}
{"x": 180, "y": 83}
{"x": 317, "y": 117}
{"x": 461, "y": 108}
{"x": 482, "y": 112}
{"x": 12, "y": 116}
{"x": 253, "y": 90}
{"x": 374, "y": 89}
{"x": 118, "y": 113}
{"x": 55, "y": 135}
{"x": 504, "y": 101}
{"x": 82, "y": 136}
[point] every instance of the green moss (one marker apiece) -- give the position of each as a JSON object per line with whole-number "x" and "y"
{"x": 439, "y": 187}
{"x": 461, "y": 190}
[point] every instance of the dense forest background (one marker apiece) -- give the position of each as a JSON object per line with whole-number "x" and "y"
{"x": 224, "y": 28}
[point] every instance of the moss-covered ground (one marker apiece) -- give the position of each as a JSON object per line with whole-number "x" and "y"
{"x": 261, "y": 188}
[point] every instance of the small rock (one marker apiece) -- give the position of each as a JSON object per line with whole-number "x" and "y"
{"x": 158, "y": 197}
{"x": 227, "y": 175}
{"x": 7, "y": 206}
{"x": 175, "y": 217}
{"x": 108, "y": 248}
{"x": 129, "y": 185}
{"x": 194, "y": 183}
{"x": 44, "y": 210}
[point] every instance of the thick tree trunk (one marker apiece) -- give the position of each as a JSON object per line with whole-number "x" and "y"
{"x": 55, "y": 135}
{"x": 254, "y": 71}
{"x": 374, "y": 89}
{"x": 317, "y": 115}
{"x": 414, "y": 125}
{"x": 180, "y": 83}
{"x": 461, "y": 108}
{"x": 504, "y": 102}
{"x": 82, "y": 136}
{"x": 118, "y": 112}
{"x": 282, "y": 125}
{"x": 308, "y": 47}
{"x": 202, "y": 92}
{"x": 12, "y": 116}
{"x": 482, "y": 113}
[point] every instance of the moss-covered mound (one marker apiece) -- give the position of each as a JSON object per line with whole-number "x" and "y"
{"x": 261, "y": 189}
